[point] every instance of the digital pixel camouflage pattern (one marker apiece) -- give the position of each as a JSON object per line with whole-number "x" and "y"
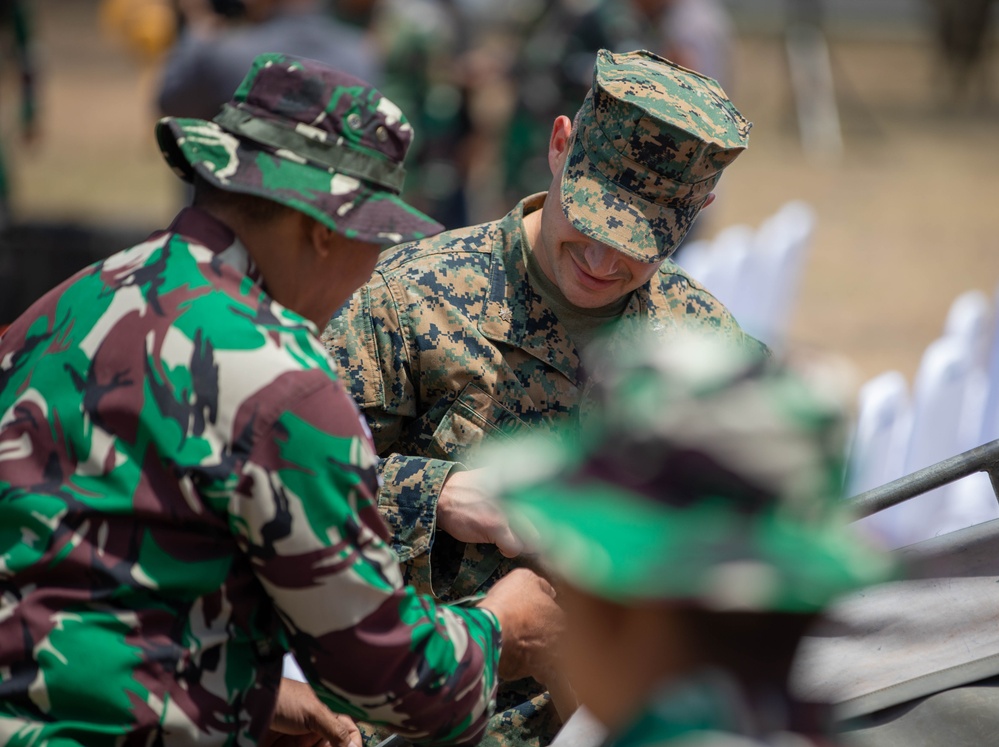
{"x": 315, "y": 139}
{"x": 649, "y": 145}
{"x": 450, "y": 345}
{"x": 186, "y": 491}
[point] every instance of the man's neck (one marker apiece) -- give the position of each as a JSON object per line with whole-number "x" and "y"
{"x": 532, "y": 233}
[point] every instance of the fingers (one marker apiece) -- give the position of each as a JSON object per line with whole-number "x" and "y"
{"x": 509, "y": 544}
{"x": 339, "y": 730}
{"x": 300, "y": 713}
{"x": 546, "y": 587}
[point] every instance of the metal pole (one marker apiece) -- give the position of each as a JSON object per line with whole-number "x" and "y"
{"x": 983, "y": 458}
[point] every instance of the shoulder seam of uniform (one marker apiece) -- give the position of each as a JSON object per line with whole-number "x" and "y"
{"x": 455, "y": 246}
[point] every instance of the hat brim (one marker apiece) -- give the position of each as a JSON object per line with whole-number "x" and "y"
{"x": 622, "y": 547}
{"x": 347, "y": 205}
{"x": 606, "y": 211}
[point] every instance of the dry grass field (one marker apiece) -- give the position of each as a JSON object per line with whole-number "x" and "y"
{"x": 907, "y": 219}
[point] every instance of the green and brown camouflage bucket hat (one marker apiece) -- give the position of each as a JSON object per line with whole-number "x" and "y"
{"x": 310, "y": 137}
{"x": 649, "y": 145}
{"x": 701, "y": 473}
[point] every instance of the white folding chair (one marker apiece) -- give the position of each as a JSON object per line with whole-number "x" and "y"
{"x": 989, "y": 430}
{"x": 756, "y": 273}
{"x": 782, "y": 245}
{"x": 729, "y": 254}
{"x": 938, "y": 432}
{"x": 879, "y": 445}
{"x": 881, "y": 437}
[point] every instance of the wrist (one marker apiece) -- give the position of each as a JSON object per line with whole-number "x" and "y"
{"x": 445, "y": 499}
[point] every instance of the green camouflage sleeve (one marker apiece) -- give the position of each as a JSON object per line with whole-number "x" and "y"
{"x": 430, "y": 670}
{"x": 367, "y": 338}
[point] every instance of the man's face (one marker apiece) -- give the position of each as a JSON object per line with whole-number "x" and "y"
{"x": 589, "y": 274}
{"x": 319, "y": 269}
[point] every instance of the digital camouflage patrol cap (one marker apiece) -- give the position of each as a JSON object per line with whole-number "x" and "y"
{"x": 310, "y": 137}
{"x": 649, "y": 145}
{"x": 700, "y": 472}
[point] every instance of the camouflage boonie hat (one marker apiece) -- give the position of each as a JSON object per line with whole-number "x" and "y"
{"x": 649, "y": 144}
{"x": 310, "y": 137}
{"x": 701, "y": 473}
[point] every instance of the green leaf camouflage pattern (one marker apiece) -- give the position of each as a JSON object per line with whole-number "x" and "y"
{"x": 186, "y": 492}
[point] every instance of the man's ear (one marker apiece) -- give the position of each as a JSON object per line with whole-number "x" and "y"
{"x": 558, "y": 144}
{"x": 708, "y": 200}
{"x": 321, "y": 237}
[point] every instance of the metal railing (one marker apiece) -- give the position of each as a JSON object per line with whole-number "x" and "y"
{"x": 983, "y": 458}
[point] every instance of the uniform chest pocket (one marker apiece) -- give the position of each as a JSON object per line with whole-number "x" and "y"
{"x": 473, "y": 417}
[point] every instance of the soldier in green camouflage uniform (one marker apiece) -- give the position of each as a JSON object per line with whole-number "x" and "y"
{"x": 476, "y": 332}
{"x": 17, "y": 29}
{"x": 186, "y": 489}
{"x": 695, "y": 526}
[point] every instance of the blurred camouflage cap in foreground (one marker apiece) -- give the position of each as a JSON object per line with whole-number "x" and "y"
{"x": 309, "y": 137}
{"x": 700, "y": 472}
{"x": 650, "y": 143}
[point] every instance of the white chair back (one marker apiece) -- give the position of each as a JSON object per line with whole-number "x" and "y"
{"x": 756, "y": 273}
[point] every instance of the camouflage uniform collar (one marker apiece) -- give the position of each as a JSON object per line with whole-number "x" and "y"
{"x": 208, "y": 231}
{"x": 515, "y": 313}
{"x": 653, "y": 300}
{"x": 203, "y": 227}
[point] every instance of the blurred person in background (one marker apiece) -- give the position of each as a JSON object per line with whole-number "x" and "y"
{"x": 186, "y": 489}
{"x": 698, "y": 34}
{"x": 357, "y": 13}
{"x": 694, "y": 528}
{"x": 146, "y": 28}
{"x": 220, "y": 39}
{"x": 423, "y": 46}
{"x": 19, "y": 46}
{"x": 963, "y": 32}
{"x": 462, "y": 335}
{"x": 552, "y": 68}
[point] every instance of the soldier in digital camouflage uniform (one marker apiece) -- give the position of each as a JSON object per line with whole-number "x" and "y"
{"x": 694, "y": 526}
{"x": 476, "y": 332}
{"x": 186, "y": 489}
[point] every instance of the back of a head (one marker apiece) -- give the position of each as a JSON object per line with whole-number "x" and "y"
{"x": 701, "y": 473}
{"x": 311, "y": 138}
{"x": 694, "y": 524}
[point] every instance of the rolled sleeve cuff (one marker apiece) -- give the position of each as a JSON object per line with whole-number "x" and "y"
{"x": 407, "y": 501}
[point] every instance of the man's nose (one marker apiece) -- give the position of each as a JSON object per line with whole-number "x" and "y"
{"x": 601, "y": 259}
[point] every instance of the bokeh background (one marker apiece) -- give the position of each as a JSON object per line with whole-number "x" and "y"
{"x": 906, "y": 213}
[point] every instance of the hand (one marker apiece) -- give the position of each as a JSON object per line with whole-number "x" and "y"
{"x": 530, "y": 622}
{"x": 301, "y": 720}
{"x": 466, "y": 513}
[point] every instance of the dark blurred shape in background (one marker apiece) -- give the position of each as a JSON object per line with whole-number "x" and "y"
{"x": 964, "y": 31}
{"x": 37, "y": 255}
